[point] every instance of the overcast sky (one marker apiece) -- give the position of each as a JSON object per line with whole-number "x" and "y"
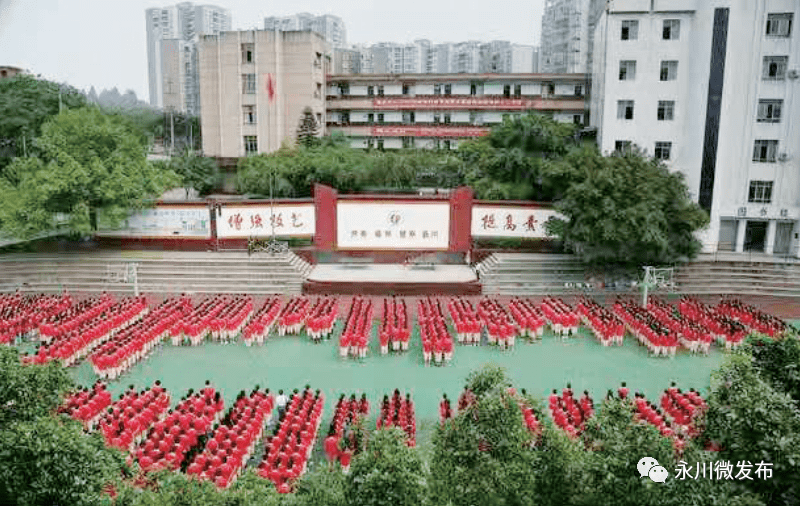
{"x": 103, "y": 42}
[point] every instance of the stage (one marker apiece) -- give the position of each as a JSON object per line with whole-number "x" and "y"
{"x": 392, "y": 279}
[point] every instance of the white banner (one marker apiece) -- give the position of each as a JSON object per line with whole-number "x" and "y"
{"x": 520, "y": 222}
{"x": 257, "y": 221}
{"x": 401, "y": 225}
{"x": 164, "y": 222}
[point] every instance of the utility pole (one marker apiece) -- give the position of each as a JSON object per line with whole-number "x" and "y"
{"x": 171, "y": 133}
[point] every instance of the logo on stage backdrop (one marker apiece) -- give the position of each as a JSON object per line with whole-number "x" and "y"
{"x": 395, "y": 218}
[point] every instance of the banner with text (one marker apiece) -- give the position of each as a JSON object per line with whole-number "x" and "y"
{"x": 258, "y": 221}
{"x": 429, "y": 131}
{"x": 393, "y": 225}
{"x": 477, "y": 103}
{"x": 520, "y": 222}
{"x": 161, "y": 222}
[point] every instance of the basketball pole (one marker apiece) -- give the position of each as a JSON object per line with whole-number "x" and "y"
{"x": 646, "y": 285}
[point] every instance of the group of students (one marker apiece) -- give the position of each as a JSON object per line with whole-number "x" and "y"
{"x": 209, "y": 318}
{"x": 288, "y": 450}
{"x": 561, "y": 317}
{"x": 529, "y": 317}
{"x": 694, "y": 337}
{"x": 262, "y": 321}
{"x": 437, "y": 344}
{"x": 232, "y": 443}
{"x": 395, "y": 330}
{"x": 293, "y": 316}
{"x": 136, "y": 341}
{"x": 607, "y": 328}
{"x": 647, "y": 328}
{"x": 342, "y": 441}
{"x": 354, "y": 340}
{"x": 675, "y": 419}
{"x": 21, "y": 315}
{"x": 752, "y": 317}
{"x": 126, "y": 421}
{"x": 727, "y": 331}
{"x": 467, "y": 323}
{"x": 500, "y": 329}
{"x": 397, "y": 411}
{"x": 322, "y": 318}
{"x": 87, "y": 404}
{"x": 570, "y": 414}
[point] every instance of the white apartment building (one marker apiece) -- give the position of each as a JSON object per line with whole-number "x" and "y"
{"x": 255, "y": 86}
{"x": 331, "y": 27}
{"x": 565, "y": 36}
{"x": 172, "y": 54}
{"x": 711, "y": 88}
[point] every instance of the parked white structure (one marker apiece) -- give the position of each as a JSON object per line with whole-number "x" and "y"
{"x": 710, "y": 87}
{"x": 172, "y": 52}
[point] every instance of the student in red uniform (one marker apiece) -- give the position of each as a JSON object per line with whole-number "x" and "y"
{"x": 623, "y": 391}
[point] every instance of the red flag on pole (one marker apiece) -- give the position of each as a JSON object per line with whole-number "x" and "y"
{"x": 270, "y": 87}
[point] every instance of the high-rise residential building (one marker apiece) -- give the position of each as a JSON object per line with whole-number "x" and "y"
{"x": 255, "y": 86}
{"x": 330, "y": 27}
{"x": 466, "y": 57}
{"x": 709, "y": 87}
{"x": 172, "y": 54}
{"x": 565, "y": 36}
{"x": 495, "y": 57}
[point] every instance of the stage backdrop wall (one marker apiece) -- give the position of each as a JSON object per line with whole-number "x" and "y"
{"x": 162, "y": 221}
{"x": 393, "y": 225}
{"x": 257, "y": 221}
{"x": 523, "y": 222}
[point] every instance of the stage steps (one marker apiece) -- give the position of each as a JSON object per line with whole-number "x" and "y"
{"x": 763, "y": 277}
{"x": 157, "y": 272}
{"x": 529, "y": 274}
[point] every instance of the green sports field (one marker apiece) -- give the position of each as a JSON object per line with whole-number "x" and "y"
{"x": 294, "y": 361}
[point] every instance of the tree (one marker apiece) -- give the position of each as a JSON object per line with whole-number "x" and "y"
{"x": 198, "y": 172}
{"x": 778, "y": 362}
{"x": 320, "y": 486}
{"x": 28, "y": 392}
{"x": 387, "y": 473}
{"x": 51, "y": 461}
{"x": 623, "y": 209}
{"x": 89, "y": 161}
{"x": 308, "y": 130}
{"x": 483, "y": 455}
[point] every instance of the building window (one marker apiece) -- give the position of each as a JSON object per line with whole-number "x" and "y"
{"x": 507, "y": 90}
{"x": 630, "y": 30}
{"x": 517, "y": 90}
{"x": 319, "y": 118}
{"x": 318, "y": 91}
{"x": 578, "y": 90}
{"x": 765, "y": 151}
{"x": 380, "y": 144}
{"x": 473, "y": 117}
{"x": 247, "y": 53}
{"x": 672, "y": 29}
{"x": 666, "y": 110}
{"x": 669, "y": 70}
{"x": 473, "y": 89}
{"x": 506, "y": 117}
{"x": 380, "y": 118}
{"x": 625, "y": 109}
{"x": 769, "y": 111}
{"x": 370, "y": 91}
{"x": 370, "y": 118}
{"x": 775, "y": 68}
{"x": 250, "y": 144}
{"x": 447, "y": 144}
{"x": 627, "y": 70}
{"x": 760, "y": 192}
{"x": 408, "y": 142}
{"x": 249, "y": 114}
{"x": 248, "y": 84}
{"x": 622, "y": 146}
{"x": 380, "y": 91}
{"x": 447, "y": 119}
{"x": 344, "y": 89}
{"x": 577, "y": 119}
{"x": 345, "y": 117}
{"x": 406, "y": 89}
{"x": 551, "y": 89}
{"x": 436, "y": 119}
{"x": 448, "y": 89}
{"x": 437, "y": 89}
{"x": 779, "y": 25}
{"x": 662, "y": 151}
{"x": 370, "y": 143}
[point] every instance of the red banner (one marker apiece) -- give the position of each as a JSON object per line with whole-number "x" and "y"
{"x": 428, "y": 131}
{"x": 478, "y": 103}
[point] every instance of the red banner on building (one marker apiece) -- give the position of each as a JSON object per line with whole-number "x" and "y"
{"x": 428, "y": 131}
{"x": 475, "y": 103}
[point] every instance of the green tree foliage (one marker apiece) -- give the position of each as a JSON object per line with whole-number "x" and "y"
{"x": 483, "y": 455}
{"x": 51, "y": 461}
{"x": 629, "y": 209}
{"x": 308, "y": 129}
{"x": 88, "y": 161}
{"x": 198, "y": 172}
{"x": 319, "y": 486}
{"x": 31, "y": 391}
{"x": 778, "y": 362}
{"x": 387, "y": 473}
{"x": 754, "y": 422}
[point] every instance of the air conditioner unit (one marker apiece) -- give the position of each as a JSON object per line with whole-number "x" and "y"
{"x": 783, "y": 157}
{"x": 784, "y": 213}
{"x": 742, "y": 211}
{"x": 793, "y": 74}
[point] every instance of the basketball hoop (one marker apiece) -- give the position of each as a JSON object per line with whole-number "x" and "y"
{"x": 656, "y": 278}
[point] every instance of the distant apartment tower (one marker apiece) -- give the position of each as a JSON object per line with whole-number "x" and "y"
{"x": 330, "y": 27}
{"x": 565, "y": 36}
{"x": 172, "y": 55}
{"x": 255, "y": 86}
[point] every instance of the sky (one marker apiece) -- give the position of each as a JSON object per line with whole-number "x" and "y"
{"x": 102, "y": 43}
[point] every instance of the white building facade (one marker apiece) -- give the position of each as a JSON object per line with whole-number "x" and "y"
{"x": 710, "y": 87}
{"x": 331, "y": 27}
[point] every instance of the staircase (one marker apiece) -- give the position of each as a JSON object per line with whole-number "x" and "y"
{"x": 765, "y": 276}
{"x": 529, "y": 274}
{"x": 156, "y": 272}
